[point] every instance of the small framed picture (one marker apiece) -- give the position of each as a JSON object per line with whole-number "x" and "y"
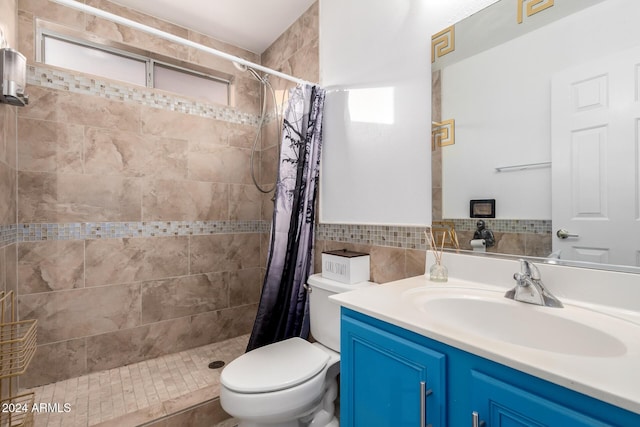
{"x": 484, "y": 208}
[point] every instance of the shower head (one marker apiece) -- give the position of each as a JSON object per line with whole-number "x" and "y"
{"x": 239, "y": 66}
{"x": 253, "y": 72}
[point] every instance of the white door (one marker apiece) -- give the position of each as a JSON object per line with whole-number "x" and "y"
{"x": 595, "y": 112}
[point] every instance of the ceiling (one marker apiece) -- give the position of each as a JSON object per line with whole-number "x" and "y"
{"x": 249, "y": 24}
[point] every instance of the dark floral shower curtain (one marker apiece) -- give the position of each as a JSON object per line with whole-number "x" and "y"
{"x": 283, "y": 312}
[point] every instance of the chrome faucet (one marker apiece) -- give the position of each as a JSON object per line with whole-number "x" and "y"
{"x": 529, "y": 287}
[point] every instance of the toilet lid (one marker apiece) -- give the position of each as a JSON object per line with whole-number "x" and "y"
{"x": 274, "y": 367}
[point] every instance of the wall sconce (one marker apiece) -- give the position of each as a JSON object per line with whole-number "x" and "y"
{"x": 533, "y": 7}
{"x": 13, "y": 70}
{"x": 443, "y": 133}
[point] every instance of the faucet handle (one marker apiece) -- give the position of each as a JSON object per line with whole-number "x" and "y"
{"x": 529, "y": 269}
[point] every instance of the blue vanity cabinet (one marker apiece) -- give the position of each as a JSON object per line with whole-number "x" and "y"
{"x": 500, "y": 404}
{"x": 381, "y": 376}
{"x": 382, "y": 366}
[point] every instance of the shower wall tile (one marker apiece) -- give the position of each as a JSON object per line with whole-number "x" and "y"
{"x": 116, "y": 261}
{"x": 115, "y": 152}
{"x": 269, "y": 166}
{"x": 184, "y": 296}
{"x": 310, "y": 25}
{"x": 284, "y": 47}
{"x": 8, "y": 21}
{"x": 214, "y": 62}
{"x": 302, "y": 32}
{"x": 245, "y": 202}
{"x": 224, "y": 252}
{"x": 303, "y": 64}
{"x": 172, "y": 124}
{"x": 68, "y": 357}
{"x": 112, "y": 167}
{"x": 123, "y": 347}
{"x": 8, "y": 135}
{"x": 75, "y": 108}
{"x": 265, "y": 241}
{"x": 50, "y": 266}
{"x": 26, "y": 41}
{"x": 11, "y": 268}
{"x": 220, "y": 325}
{"x": 91, "y": 111}
{"x": 241, "y": 136}
{"x": 245, "y": 286}
{"x": 55, "y": 198}
{"x": 53, "y": 12}
{"x": 221, "y": 164}
{"x": 42, "y": 103}
{"x": 185, "y": 200}
{"x": 135, "y": 38}
{"x": 79, "y": 313}
{"x": 139, "y": 39}
{"x": 128, "y": 13}
{"x": 47, "y": 146}
{"x": 7, "y": 194}
{"x": 247, "y": 89}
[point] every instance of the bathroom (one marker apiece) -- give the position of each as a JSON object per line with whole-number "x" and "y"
{"x": 126, "y": 253}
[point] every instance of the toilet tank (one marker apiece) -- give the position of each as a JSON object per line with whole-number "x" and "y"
{"x": 324, "y": 314}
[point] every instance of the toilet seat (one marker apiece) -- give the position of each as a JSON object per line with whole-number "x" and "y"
{"x": 278, "y": 366}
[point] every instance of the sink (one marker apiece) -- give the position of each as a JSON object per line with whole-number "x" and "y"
{"x": 487, "y": 314}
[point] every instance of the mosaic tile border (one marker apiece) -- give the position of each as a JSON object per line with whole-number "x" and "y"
{"x": 73, "y": 82}
{"x": 535, "y": 226}
{"x": 8, "y": 234}
{"x": 413, "y": 237}
{"x": 114, "y": 230}
{"x": 377, "y": 235}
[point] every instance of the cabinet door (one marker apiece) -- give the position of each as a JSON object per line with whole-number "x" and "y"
{"x": 499, "y": 404}
{"x": 380, "y": 379}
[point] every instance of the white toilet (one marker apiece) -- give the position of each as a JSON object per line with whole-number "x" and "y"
{"x": 291, "y": 383}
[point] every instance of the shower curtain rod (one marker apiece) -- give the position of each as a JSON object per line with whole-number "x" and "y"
{"x": 133, "y": 24}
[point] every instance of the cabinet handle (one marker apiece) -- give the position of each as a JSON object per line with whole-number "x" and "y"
{"x": 423, "y": 403}
{"x": 475, "y": 420}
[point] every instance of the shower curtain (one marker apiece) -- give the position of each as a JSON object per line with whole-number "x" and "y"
{"x": 283, "y": 311}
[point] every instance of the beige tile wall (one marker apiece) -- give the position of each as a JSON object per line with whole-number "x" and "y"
{"x": 103, "y": 303}
{"x": 8, "y": 174}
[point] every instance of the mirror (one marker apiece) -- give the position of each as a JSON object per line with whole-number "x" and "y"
{"x": 514, "y": 91}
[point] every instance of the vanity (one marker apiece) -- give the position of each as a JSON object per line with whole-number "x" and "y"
{"x": 418, "y": 353}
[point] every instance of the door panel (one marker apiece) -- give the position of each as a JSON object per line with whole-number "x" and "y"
{"x": 595, "y": 160}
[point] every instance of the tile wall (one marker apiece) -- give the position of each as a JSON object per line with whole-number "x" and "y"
{"x": 137, "y": 231}
{"x": 8, "y": 176}
{"x": 138, "y": 225}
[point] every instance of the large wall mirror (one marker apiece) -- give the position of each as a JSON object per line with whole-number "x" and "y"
{"x": 545, "y": 102}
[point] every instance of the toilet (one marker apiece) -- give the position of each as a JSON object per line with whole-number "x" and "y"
{"x": 291, "y": 383}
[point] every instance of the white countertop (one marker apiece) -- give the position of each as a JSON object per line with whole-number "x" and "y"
{"x": 614, "y": 379}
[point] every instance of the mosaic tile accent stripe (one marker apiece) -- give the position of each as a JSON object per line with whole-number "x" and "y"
{"x": 413, "y": 237}
{"x": 377, "y": 235}
{"x": 71, "y": 82}
{"x": 113, "y": 230}
{"x": 8, "y": 234}
{"x": 536, "y": 226}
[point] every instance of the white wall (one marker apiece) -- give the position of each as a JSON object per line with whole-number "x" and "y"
{"x": 501, "y": 102}
{"x": 375, "y": 62}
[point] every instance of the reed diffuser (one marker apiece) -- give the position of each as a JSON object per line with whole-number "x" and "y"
{"x": 437, "y": 272}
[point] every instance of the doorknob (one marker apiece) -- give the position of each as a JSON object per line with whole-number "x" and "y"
{"x": 565, "y": 234}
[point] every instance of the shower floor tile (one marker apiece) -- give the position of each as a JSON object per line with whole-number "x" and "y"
{"x": 138, "y": 393}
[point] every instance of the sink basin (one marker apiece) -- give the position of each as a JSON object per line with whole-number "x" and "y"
{"x": 570, "y": 330}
